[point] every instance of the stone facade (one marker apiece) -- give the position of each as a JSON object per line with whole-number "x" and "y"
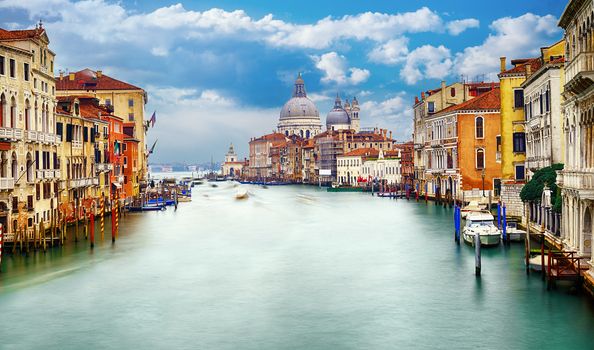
{"x": 510, "y": 195}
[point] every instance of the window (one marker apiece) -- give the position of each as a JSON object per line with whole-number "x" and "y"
{"x": 2, "y": 69}
{"x": 518, "y": 98}
{"x": 498, "y": 141}
{"x": 520, "y": 172}
{"x": 479, "y": 128}
{"x": 453, "y": 92}
{"x": 107, "y": 102}
{"x": 130, "y": 102}
{"x": 480, "y": 158}
{"x": 26, "y": 71}
{"x": 431, "y": 107}
{"x": 519, "y": 142}
{"x": 12, "y": 68}
{"x": 548, "y": 101}
{"x": 131, "y": 117}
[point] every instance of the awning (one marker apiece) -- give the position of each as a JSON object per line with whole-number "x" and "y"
{"x": 117, "y": 185}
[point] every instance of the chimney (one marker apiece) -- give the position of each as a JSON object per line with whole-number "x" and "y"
{"x": 390, "y": 134}
{"x": 443, "y": 94}
{"x": 61, "y": 75}
{"x": 416, "y": 99}
{"x": 502, "y": 62}
{"x": 99, "y": 74}
{"x": 528, "y": 69}
{"x": 71, "y": 76}
{"x": 422, "y": 95}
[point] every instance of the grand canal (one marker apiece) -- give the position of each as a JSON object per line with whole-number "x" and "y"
{"x": 289, "y": 268}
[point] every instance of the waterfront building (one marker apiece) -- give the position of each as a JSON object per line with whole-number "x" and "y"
{"x": 260, "y": 162}
{"x": 291, "y": 161}
{"x": 344, "y": 118}
{"x": 406, "y": 161}
{"x": 432, "y": 102}
{"x": 462, "y": 149}
{"x": 513, "y": 130}
{"x": 385, "y": 167}
{"x": 577, "y": 178}
{"x": 232, "y": 167}
{"x": 349, "y": 166}
{"x": 308, "y": 159}
{"x": 124, "y": 99}
{"x": 299, "y": 116}
{"x": 76, "y": 152}
{"x": 29, "y": 165}
{"x": 130, "y": 164}
{"x": 543, "y": 91}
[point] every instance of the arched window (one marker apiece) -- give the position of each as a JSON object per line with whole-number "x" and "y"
{"x": 13, "y": 112}
{"x": 27, "y": 114}
{"x": 29, "y": 168}
{"x": 14, "y": 168}
{"x": 286, "y": 132}
{"x": 480, "y": 158}
{"x": 479, "y": 131}
{"x": 307, "y": 134}
{"x": 301, "y": 133}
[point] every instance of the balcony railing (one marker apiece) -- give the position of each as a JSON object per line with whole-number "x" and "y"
{"x": 6, "y": 183}
{"x": 77, "y": 144}
{"x": 101, "y": 167}
{"x": 31, "y": 135}
{"x": 84, "y": 182}
{"x": 11, "y": 133}
{"x": 583, "y": 62}
{"x": 578, "y": 180}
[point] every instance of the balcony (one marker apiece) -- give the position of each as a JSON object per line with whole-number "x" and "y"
{"x": 103, "y": 167}
{"x": 436, "y": 143}
{"x": 6, "y": 183}
{"x": 84, "y": 182}
{"x": 31, "y": 135}
{"x": 579, "y": 73}
{"x": 41, "y": 137}
{"x": 77, "y": 144}
{"x": 11, "y": 134}
{"x": 579, "y": 180}
{"x": 47, "y": 174}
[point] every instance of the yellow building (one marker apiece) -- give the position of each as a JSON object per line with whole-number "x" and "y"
{"x": 512, "y": 142}
{"x": 126, "y": 100}
{"x": 29, "y": 170}
{"x": 77, "y": 156}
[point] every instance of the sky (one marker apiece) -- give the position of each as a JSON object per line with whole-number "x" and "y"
{"x": 218, "y": 72}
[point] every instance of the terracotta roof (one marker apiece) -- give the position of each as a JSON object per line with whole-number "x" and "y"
{"x": 362, "y": 152}
{"x": 393, "y": 153}
{"x": 520, "y": 66}
{"x": 275, "y": 136}
{"x": 558, "y": 60}
{"x": 87, "y": 79}
{"x": 20, "y": 34}
{"x": 488, "y": 100}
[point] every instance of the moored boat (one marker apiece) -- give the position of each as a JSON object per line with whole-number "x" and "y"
{"x": 472, "y": 207}
{"x": 481, "y": 224}
{"x": 515, "y": 234}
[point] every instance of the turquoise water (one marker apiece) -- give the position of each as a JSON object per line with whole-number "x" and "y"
{"x": 288, "y": 268}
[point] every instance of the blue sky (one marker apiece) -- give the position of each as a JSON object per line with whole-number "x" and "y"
{"x": 219, "y": 71}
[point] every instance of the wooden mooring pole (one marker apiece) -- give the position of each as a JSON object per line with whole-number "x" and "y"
{"x": 477, "y": 254}
{"x": 102, "y": 216}
{"x": 92, "y": 229}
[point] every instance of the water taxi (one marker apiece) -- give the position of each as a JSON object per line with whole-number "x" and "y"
{"x": 481, "y": 223}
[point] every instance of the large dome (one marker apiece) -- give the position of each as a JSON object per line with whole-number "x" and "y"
{"x": 299, "y": 116}
{"x": 299, "y": 107}
{"x": 337, "y": 116}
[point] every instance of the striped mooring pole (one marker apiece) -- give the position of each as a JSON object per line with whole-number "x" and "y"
{"x": 102, "y": 217}
{"x": 113, "y": 228}
{"x": 92, "y": 229}
{"x": 117, "y": 214}
{"x": 1, "y": 244}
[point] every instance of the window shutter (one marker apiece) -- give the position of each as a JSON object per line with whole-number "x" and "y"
{"x": 59, "y": 128}
{"x": 85, "y": 134}
{"x": 68, "y": 132}
{"x": 38, "y": 191}
{"x": 92, "y": 134}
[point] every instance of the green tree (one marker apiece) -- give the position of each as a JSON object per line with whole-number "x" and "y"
{"x": 532, "y": 191}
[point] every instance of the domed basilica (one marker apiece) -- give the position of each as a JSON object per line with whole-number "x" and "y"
{"x": 299, "y": 116}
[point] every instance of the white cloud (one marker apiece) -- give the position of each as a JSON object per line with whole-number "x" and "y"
{"x": 318, "y": 97}
{"x": 392, "y": 52}
{"x": 460, "y": 25}
{"x": 102, "y": 21}
{"x": 392, "y": 113}
{"x": 513, "y": 37}
{"x": 427, "y": 62}
{"x": 334, "y": 67}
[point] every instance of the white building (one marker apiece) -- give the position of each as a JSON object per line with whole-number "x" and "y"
{"x": 299, "y": 116}
{"x": 232, "y": 166}
{"x": 542, "y": 97}
{"x": 577, "y": 180}
{"x": 349, "y": 167}
{"x": 385, "y": 167}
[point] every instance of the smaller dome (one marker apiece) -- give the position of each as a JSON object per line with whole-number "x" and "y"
{"x": 337, "y": 116}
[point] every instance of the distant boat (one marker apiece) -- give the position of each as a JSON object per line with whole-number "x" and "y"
{"x": 472, "y": 207}
{"x": 242, "y": 193}
{"x": 515, "y": 234}
{"x": 481, "y": 224}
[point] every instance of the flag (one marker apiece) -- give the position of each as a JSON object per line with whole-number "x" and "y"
{"x": 153, "y": 146}
{"x": 153, "y": 119}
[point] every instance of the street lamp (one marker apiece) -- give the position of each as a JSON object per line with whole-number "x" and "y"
{"x": 483, "y": 176}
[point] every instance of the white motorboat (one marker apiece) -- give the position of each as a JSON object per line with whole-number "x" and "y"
{"x": 481, "y": 223}
{"x": 472, "y": 207}
{"x": 515, "y": 234}
{"x": 242, "y": 193}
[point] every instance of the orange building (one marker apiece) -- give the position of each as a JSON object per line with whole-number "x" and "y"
{"x": 130, "y": 162}
{"x": 465, "y": 156}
